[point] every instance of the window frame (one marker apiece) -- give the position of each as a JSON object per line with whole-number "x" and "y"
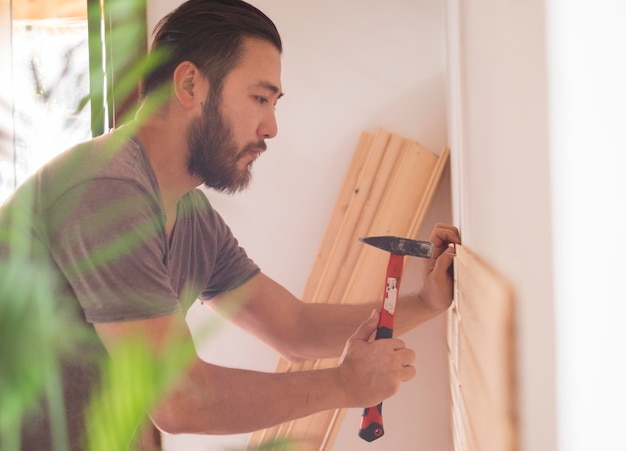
{"x": 109, "y": 62}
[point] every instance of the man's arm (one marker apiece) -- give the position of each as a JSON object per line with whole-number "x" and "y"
{"x": 213, "y": 399}
{"x": 301, "y": 331}
{"x": 217, "y": 400}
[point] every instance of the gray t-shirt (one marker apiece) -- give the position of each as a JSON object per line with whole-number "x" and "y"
{"x": 98, "y": 223}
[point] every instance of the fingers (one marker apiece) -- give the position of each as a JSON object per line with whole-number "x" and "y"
{"x": 443, "y": 235}
{"x": 408, "y": 373}
{"x": 437, "y": 291}
{"x": 373, "y": 371}
{"x": 391, "y": 364}
{"x": 400, "y": 358}
{"x": 399, "y": 363}
{"x": 445, "y": 229}
{"x": 406, "y": 370}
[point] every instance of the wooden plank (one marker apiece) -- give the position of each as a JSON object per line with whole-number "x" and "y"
{"x": 389, "y": 208}
{"x": 380, "y": 157}
{"x": 460, "y": 430}
{"x": 405, "y": 192}
{"x": 355, "y": 188}
{"x": 482, "y": 358}
{"x": 400, "y": 148}
{"x": 422, "y": 171}
{"x": 385, "y": 153}
{"x": 332, "y": 430}
{"x": 414, "y": 165}
{"x": 349, "y": 244}
{"x": 395, "y": 218}
{"x": 435, "y": 177}
{"x": 349, "y": 189}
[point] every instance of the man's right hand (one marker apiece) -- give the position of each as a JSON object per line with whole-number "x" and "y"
{"x": 372, "y": 370}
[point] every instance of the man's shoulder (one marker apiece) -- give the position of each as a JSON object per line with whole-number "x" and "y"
{"x": 108, "y": 155}
{"x": 107, "y": 158}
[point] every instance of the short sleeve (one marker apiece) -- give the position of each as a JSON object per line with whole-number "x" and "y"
{"x": 108, "y": 238}
{"x": 230, "y": 265}
{"x": 233, "y": 268}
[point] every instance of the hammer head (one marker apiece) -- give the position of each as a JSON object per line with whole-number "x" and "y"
{"x": 401, "y": 246}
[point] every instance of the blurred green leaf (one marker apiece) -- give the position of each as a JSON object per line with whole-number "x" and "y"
{"x": 35, "y": 333}
{"x": 34, "y": 336}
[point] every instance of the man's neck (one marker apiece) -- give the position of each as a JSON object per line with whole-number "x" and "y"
{"x": 164, "y": 138}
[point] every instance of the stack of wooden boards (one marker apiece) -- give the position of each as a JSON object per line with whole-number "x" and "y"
{"x": 386, "y": 191}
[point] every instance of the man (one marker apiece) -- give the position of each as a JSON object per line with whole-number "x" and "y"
{"x": 134, "y": 243}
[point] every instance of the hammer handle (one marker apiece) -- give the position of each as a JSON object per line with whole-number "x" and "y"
{"x": 372, "y": 419}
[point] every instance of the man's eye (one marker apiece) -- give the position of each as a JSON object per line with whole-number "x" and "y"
{"x": 262, "y": 100}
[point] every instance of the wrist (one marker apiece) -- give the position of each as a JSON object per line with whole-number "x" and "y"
{"x": 428, "y": 307}
{"x": 343, "y": 385}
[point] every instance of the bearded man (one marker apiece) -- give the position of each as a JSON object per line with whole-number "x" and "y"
{"x": 133, "y": 242}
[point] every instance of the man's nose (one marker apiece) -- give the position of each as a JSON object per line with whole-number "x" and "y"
{"x": 269, "y": 126}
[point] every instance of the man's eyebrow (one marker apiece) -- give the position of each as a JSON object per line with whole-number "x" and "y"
{"x": 270, "y": 87}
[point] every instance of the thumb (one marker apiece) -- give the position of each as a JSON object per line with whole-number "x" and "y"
{"x": 367, "y": 327}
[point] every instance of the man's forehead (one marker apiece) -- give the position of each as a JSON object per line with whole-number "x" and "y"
{"x": 259, "y": 66}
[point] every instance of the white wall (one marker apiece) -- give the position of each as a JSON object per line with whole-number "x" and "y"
{"x": 502, "y": 180}
{"x": 348, "y": 66}
{"x": 536, "y": 129}
{"x": 587, "y": 44}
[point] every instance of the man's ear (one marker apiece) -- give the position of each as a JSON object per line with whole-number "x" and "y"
{"x": 187, "y": 82}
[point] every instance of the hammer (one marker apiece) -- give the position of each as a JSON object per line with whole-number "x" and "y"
{"x": 372, "y": 419}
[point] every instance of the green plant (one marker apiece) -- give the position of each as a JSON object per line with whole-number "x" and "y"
{"x": 33, "y": 338}
{"x": 36, "y": 333}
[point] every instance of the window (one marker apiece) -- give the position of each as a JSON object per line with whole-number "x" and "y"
{"x": 57, "y": 77}
{"x": 50, "y": 79}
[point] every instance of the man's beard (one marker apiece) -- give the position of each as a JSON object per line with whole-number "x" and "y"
{"x": 213, "y": 154}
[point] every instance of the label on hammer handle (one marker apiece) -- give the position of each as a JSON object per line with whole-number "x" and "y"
{"x": 386, "y": 319}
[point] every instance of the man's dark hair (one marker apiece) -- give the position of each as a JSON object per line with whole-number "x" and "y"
{"x": 210, "y": 34}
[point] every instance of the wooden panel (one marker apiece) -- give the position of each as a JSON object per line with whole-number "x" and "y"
{"x": 362, "y": 209}
{"x": 349, "y": 190}
{"x": 482, "y": 358}
{"x": 404, "y": 193}
{"x": 387, "y": 190}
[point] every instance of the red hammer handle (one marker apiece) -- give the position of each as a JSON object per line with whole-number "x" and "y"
{"x": 372, "y": 419}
